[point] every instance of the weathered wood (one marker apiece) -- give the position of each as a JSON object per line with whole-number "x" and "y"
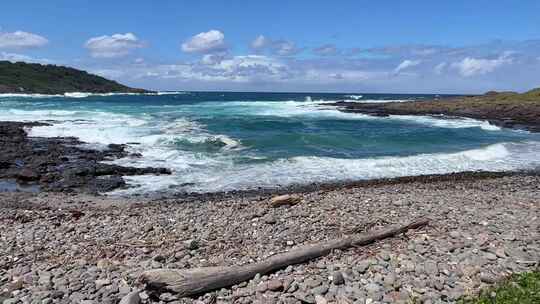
{"x": 284, "y": 200}
{"x": 190, "y": 282}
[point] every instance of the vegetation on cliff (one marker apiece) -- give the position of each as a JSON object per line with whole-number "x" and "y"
{"x": 33, "y": 78}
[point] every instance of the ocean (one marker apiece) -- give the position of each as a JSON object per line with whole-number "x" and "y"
{"x": 224, "y": 141}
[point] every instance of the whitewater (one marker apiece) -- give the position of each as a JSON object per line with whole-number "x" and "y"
{"x": 218, "y": 141}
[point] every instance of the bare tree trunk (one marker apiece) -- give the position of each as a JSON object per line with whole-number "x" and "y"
{"x": 190, "y": 282}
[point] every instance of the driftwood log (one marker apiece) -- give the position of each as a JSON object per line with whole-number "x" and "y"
{"x": 191, "y": 282}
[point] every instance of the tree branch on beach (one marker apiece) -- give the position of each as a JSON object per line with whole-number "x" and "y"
{"x": 191, "y": 282}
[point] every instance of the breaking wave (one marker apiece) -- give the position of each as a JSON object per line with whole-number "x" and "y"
{"x": 215, "y": 145}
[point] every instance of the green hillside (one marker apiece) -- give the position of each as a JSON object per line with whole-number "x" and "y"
{"x": 35, "y": 78}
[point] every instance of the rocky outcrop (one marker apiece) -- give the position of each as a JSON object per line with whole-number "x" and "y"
{"x": 60, "y": 164}
{"x": 504, "y": 109}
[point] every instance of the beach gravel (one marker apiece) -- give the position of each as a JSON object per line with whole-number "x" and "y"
{"x": 78, "y": 248}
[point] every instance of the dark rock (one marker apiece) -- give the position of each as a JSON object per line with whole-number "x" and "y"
{"x": 60, "y": 164}
{"x": 28, "y": 175}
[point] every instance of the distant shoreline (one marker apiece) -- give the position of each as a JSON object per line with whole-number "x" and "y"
{"x": 507, "y": 110}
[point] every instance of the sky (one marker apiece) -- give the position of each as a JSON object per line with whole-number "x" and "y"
{"x": 295, "y": 46}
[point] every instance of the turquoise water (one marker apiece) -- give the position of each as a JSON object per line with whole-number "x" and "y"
{"x": 233, "y": 141}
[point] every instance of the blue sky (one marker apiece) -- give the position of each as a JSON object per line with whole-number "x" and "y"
{"x": 354, "y": 46}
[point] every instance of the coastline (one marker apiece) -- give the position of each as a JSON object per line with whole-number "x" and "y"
{"x": 506, "y": 110}
{"x": 71, "y": 245}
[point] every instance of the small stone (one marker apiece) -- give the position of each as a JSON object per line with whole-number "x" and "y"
{"x": 389, "y": 280}
{"x": 499, "y": 252}
{"x": 262, "y": 287}
{"x": 490, "y": 256}
{"x": 312, "y": 282}
{"x": 385, "y": 255}
{"x": 320, "y": 299}
{"x": 455, "y": 234}
{"x": 148, "y": 227}
{"x": 160, "y": 259}
{"x": 131, "y": 298}
{"x": 102, "y": 282}
{"x": 143, "y": 295}
{"x": 275, "y": 285}
{"x": 337, "y": 278}
{"x": 362, "y": 266}
{"x": 191, "y": 244}
{"x": 487, "y": 278}
{"x": 168, "y": 297}
{"x": 372, "y": 288}
{"x": 270, "y": 220}
{"x": 104, "y": 264}
{"x": 431, "y": 268}
{"x": 320, "y": 290}
{"x": 304, "y": 297}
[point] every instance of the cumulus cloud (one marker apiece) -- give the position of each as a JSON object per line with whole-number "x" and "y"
{"x": 270, "y": 69}
{"x": 259, "y": 43}
{"x": 326, "y": 50}
{"x": 470, "y": 66}
{"x": 117, "y": 45}
{"x": 405, "y": 64}
{"x": 439, "y": 68}
{"x": 276, "y": 47}
{"x": 207, "y": 42}
{"x": 285, "y": 48}
{"x": 210, "y": 59}
{"x": 21, "y": 40}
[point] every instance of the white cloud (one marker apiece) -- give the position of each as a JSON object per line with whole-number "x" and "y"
{"x": 117, "y": 45}
{"x": 260, "y": 42}
{"x": 439, "y": 68}
{"x": 326, "y": 50}
{"x": 405, "y": 65}
{"x": 277, "y": 47}
{"x": 285, "y": 48}
{"x": 13, "y": 57}
{"x": 206, "y": 42}
{"x": 210, "y": 59}
{"x": 477, "y": 66}
{"x": 21, "y": 40}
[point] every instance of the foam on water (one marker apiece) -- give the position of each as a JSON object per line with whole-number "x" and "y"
{"x": 318, "y": 109}
{"x": 179, "y": 136}
{"x": 305, "y": 170}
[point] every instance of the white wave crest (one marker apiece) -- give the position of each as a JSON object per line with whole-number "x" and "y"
{"x": 222, "y": 176}
{"x": 355, "y": 97}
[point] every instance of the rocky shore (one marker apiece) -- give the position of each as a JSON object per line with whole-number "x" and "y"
{"x": 79, "y": 248}
{"x": 59, "y": 164}
{"x": 505, "y": 109}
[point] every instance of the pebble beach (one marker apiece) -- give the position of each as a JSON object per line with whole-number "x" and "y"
{"x": 80, "y": 248}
